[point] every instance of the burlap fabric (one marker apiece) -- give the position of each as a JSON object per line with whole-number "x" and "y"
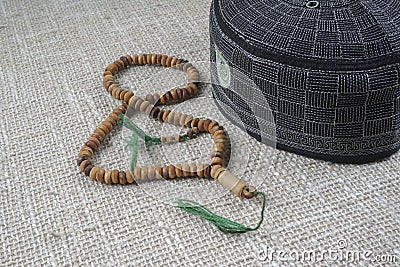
{"x": 52, "y": 57}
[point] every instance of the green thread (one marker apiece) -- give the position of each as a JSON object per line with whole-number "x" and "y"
{"x": 223, "y": 224}
{"x": 137, "y": 132}
{"x": 124, "y": 120}
{"x": 132, "y": 142}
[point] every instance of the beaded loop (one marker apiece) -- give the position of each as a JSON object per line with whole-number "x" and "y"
{"x": 150, "y": 105}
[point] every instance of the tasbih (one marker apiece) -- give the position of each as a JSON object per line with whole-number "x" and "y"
{"x": 150, "y": 105}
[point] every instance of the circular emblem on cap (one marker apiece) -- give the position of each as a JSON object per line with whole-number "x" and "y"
{"x": 224, "y": 74}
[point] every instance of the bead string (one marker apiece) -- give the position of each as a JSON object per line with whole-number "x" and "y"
{"x": 150, "y": 106}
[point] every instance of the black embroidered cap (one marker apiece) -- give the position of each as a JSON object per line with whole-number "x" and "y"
{"x": 328, "y": 69}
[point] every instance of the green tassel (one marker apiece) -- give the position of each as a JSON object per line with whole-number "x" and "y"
{"x": 223, "y": 224}
{"x": 124, "y": 120}
{"x": 132, "y": 143}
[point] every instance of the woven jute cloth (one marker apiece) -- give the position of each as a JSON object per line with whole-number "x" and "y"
{"x": 52, "y": 57}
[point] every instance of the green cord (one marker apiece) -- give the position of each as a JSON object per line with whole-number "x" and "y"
{"x": 124, "y": 120}
{"x": 223, "y": 224}
{"x": 137, "y": 132}
{"x": 132, "y": 142}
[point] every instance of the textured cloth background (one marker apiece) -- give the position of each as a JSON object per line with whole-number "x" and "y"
{"x": 52, "y": 57}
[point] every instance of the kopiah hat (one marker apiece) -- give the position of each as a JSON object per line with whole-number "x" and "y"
{"x": 328, "y": 70}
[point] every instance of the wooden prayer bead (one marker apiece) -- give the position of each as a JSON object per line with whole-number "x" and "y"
{"x": 194, "y": 122}
{"x": 193, "y": 169}
{"x": 186, "y": 170}
{"x": 216, "y": 161}
{"x": 81, "y": 159}
{"x": 171, "y": 172}
{"x": 200, "y": 170}
{"x": 100, "y": 175}
{"x": 112, "y": 68}
{"x": 120, "y": 64}
{"x": 128, "y": 96}
{"x": 173, "y": 61}
{"x": 144, "y": 173}
{"x": 137, "y": 173}
{"x": 164, "y": 60}
{"x": 159, "y": 57}
{"x": 200, "y": 125}
{"x": 87, "y": 169}
{"x": 129, "y": 177}
{"x": 165, "y": 173}
{"x": 130, "y": 60}
{"x": 178, "y": 170}
{"x": 151, "y": 173}
{"x": 154, "y": 59}
{"x": 138, "y": 103}
{"x": 148, "y": 58}
{"x": 125, "y": 60}
{"x": 114, "y": 176}
{"x": 122, "y": 178}
{"x": 216, "y": 170}
{"x": 144, "y": 105}
{"x": 84, "y": 164}
{"x": 159, "y": 172}
{"x": 107, "y": 177}
{"x": 135, "y": 59}
{"x": 91, "y": 144}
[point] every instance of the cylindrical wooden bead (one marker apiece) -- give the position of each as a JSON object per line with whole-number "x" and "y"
{"x": 93, "y": 172}
{"x": 177, "y": 117}
{"x": 168, "y": 61}
{"x": 200, "y": 125}
{"x": 129, "y": 177}
{"x": 159, "y": 172}
{"x": 231, "y": 182}
{"x": 84, "y": 164}
{"x": 216, "y": 161}
{"x": 122, "y": 177}
{"x": 107, "y": 177}
{"x": 135, "y": 59}
{"x": 151, "y": 173}
{"x": 159, "y": 57}
{"x": 138, "y": 103}
{"x": 171, "y": 172}
{"x": 173, "y": 61}
{"x": 200, "y": 170}
{"x": 215, "y": 170}
{"x": 188, "y": 120}
{"x": 195, "y": 122}
{"x": 128, "y": 96}
{"x": 207, "y": 171}
{"x": 165, "y": 174}
{"x": 81, "y": 159}
{"x": 178, "y": 170}
{"x": 148, "y": 58}
{"x": 112, "y": 68}
{"x": 137, "y": 172}
{"x": 100, "y": 132}
{"x": 114, "y": 176}
{"x": 144, "y": 173}
{"x": 186, "y": 170}
{"x": 144, "y": 105}
{"x": 100, "y": 175}
{"x": 154, "y": 59}
{"x": 193, "y": 169}
{"x": 87, "y": 169}
{"x": 107, "y": 72}
{"x": 164, "y": 60}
